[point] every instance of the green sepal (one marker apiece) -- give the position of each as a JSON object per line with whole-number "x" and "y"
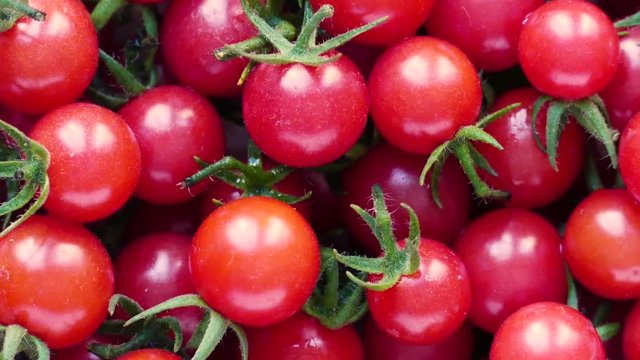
{"x": 572, "y": 292}
{"x": 13, "y": 10}
{"x": 15, "y": 340}
{"x": 556, "y": 121}
{"x": 627, "y": 22}
{"x": 608, "y": 331}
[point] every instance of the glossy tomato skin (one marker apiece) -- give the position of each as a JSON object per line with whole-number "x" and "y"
{"x": 602, "y": 244}
{"x": 569, "y": 49}
{"x": 631, "y": 334}
{"x": 305, "y": 116}
{"x": 488, "y": 35}
{"x": 303, "y": 337}
{"x": 513, "y": 259}
{"x": 422, "y": 91}
{"x": 547, "y": 330}
{"x": 172, "y": 125}
{"x": 190, "y": 30}
{"x": 398, "y": 174}
{"x": 149, "y": 354}
{"x": 629, "y": 151}
{"x": 255, "y": 260}
{"x": 403, "y": 18}
{"x": 523, "y": 169}
{"x": 57, "y": 279}
{"x": 50, "y": 63}
{"x": 95, "y": 161}
{"x": 428, "y": 306}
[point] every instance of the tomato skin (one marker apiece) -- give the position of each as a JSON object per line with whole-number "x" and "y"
{"x": 255, "y": 260}
{"x": 488, "y": 35}
{"x": 629, "y": 152}
{"x": 569, "y": 49}
{"x": 523, "y": 169}
{"x": 68, "y": 310}
{"x": 404, "y": 18}
{"x": 149, "y": 354}
{"x": 422, "y": 91}
{"x": 305, "y": 116}
{"x": 545, "y": 331}
{"x": 303, "y": 337}
{"x": 48, "y": 64}
{"x": 631, "y": 334}
{"x": 602, "y": 244}
{"x": 428, "y": 306}
{"x": 172, "y": 125}
{"x": 186, "y": 26}
{"x": 85, "y": 142}
{"x": 513, "y": 259}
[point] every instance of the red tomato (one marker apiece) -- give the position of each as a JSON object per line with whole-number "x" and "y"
{"x": 569, "y": 49}
{"x": 95, "y": 161}
{"x": 488, "y": 35}
{"x": 57, "y": 279}
{"x": 513, "y": 259}
{"x": 523, "y": 169}
{"x": 427, "y": 307}
{"x": 149, "y": 354}
{"x": 544, "y": 331}
{"x": 305, "y": 116}
{"x": 631, "y": 334}
{"x": 172, "y": 124}
{"x": 255, "y": 260}
{"x": 303, "y": 337}
{"x": 629, "y": 151}
{"x": 422, "y": 91}
{"x": 47, "y": 64}
{"x": 403, "y": 20}
{"x": 602, "y": 244}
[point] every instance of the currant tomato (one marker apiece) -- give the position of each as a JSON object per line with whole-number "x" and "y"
{"x": 523, "y": 169}
{"x": 569, "y": 49}
{"x": 305, "y": 116}
{"x": 422, "y": 91}
{"x": 602, "y": 244}
{"x": 95, "y": 161}
{"x": 630, "y": 156}
{"x": 513, "y": 259}
{"x": 631, "y": 334}
{"x": 47, "y": 64}
{"x": 545, "y": 331}
{"x": 149, "y": 354}
{"x": 57, "y": 279}
{"x": 255, "y": 260}
{"x": 303, "y": 337}
{"x": 488, "y": 35}
{"x": 172, "y": 125}
{"x": 428, "y": 306}
{"x": 398, "y": 174}
{"x": 190, "y": 30}
{"x": 402, "y": 21}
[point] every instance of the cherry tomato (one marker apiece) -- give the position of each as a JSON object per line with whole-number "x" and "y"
{"x": 602, "y": 244}
{"x": 630, "y": 156}
{"x": 545, "y": 331}
{"x": 149, "y": 354}
{"x": 631, "y": 334}
{"x": 47, "y": 64}
{"x": 172, "y": 124}
{"x": 303, "y": 337}
{"x": 57, "y": 279}
{"x": 422, "y": 91}
{"x": 305, "y": 116}
{"x": 255, "y": 260}
{"x": 428, "y": 306}
{"x": 95, "y": 161}
{"x": 569, "y": 49}
{"x": 523, "y": 169}
{"x": 403, "y": 19}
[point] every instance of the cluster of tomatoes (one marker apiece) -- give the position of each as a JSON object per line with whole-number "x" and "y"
{"x": 321, "y": 179}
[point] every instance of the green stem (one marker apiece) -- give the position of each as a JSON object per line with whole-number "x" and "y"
{"x": 129, "y": 83}
{"x": 256, "y": 43}
{"x": 104, "y": 10}
{"x": 23, "y": 8}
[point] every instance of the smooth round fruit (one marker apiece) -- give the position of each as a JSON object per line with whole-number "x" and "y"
{"x": 631, "y": 334}
{"x": 149, "y": 354}
{"x": 629, "y": 151}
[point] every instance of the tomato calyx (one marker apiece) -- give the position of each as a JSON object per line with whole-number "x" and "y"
{"x": 624, "y": 24}
{"x": 394, "y": 262}
{"x": 15, "y": 340}
{"x": 13, "y": 10}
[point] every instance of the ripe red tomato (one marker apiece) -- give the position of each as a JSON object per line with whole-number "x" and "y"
{"x": 255, "y": 260}
{"x": 95, "y": 161}
{"x": 422, "y": 91}
{"x": 428, "y": 306}
{"x": 149, "y": 354}
{"x": 544, "y": 331}
{"x": 303, "y": 337}
{"x": 569, "y": 49}
{"x": 172, "y": 125}
{"x": 488, "y": 35}
{"x": 305, "y": 116}
{"x": 50, "y": 63}
{"x": 57, "y": 279}
{"x": 631, "y": 334}
{"x": 602, "y": 244}
{"x": 629, "y": 151}
{"x": 403, "y": 20}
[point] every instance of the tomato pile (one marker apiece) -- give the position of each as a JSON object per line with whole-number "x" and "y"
{"x": 319, "y": 179}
